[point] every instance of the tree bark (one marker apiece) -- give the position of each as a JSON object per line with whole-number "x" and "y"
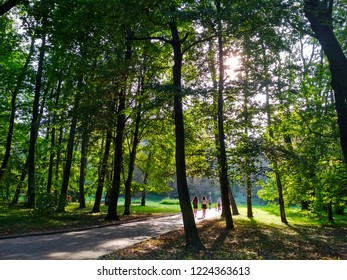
{"x": 118, "y": 154}
{"x": 223, "y": 164}
{"x": 131, "y": 168}
{"x": 191, "y": 233}
{"x": 273, "y": 159}
{"x": 320, "y": 18}
{"x": 20, "y": 184}
{"x": 249, "y": 194}
{"x": 53, "y": 142}
{"x": 35, "y": 124}
{"x": 102, "y": 173}
{"x": 280, "y": 194}
{"x": 83, "y": 164}
{"x": 13, "y": 110}
{"x": 69, "y": 153}
{"x": 330, "y": 213}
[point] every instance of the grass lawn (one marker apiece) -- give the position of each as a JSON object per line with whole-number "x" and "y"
{"x": 306, "y": 237}
{"x": 19, "y": 220}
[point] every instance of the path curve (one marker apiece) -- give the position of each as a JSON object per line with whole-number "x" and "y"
{"x": 89, "y": 244}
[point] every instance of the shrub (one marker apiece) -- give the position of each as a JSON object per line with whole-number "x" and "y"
{"x": 169, "y": 201}
{"x": 45, "y": 204}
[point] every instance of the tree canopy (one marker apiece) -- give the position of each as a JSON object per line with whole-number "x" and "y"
{"x": 137, "y": 96}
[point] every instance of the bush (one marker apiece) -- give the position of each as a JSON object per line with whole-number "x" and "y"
{"x": 169, "y": 201}
{"x": 45, "y": 204}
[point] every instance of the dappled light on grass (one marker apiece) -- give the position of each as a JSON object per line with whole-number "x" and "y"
{"x": 262, "y": 237}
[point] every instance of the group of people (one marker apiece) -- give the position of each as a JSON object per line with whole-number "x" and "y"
{"x": 204, "y": 204}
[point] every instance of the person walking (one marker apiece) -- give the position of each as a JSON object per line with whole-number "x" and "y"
{"x": 195, "y": 202}
{"x": 204, "y": 206}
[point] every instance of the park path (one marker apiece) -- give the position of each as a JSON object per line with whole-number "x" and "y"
{"x": 89, "y": 244}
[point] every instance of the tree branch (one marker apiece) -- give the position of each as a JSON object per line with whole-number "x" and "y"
{"x": 150, "y": 38}
{"x": 315, "y": 132}
{"x": 9, "y": 4}
{"x": 198, "y": 42}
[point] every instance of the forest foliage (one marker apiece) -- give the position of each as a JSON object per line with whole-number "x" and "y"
{"x": 89, "y": 102}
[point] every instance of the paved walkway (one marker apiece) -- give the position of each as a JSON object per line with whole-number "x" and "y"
{"x": 89, "y": 243}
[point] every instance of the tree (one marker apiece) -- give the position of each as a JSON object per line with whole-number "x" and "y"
{"x": 9, "y": 4}
{"x": 223, "y": 165}
{"x": 320, "y": 15}
{"x": 34, "y": 122}
{"x": 118, "y": 153}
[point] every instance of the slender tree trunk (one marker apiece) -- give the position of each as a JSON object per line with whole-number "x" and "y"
{"x": 117, "y": 161}
{"x": 233, "y": 202}
{"x": 223, "y": 164}
{"x": 145, "y": 179}
{"x": 102, "y": 173}
{"x": 132, "y": 165}
{"x": 60, "y": 141}
{"x": 118, "y": 154}
{"x": 13, "y": 110}
{"x": 35, "y": 125}
{"x": 53, "y": 143}
{"x": 15, "y": 198}
{"x": 191, "y": 233}
{"x": 213, "y": 71}
{"x": 25, "y": 169}
{"x": 280, "y": 194}
{"x": 51, "y": 161}
{"x": 249, "y": 194}
{"x": 330, "y": 213}
{"x": 69, "y": 153}
{"x": 83, "y": 164}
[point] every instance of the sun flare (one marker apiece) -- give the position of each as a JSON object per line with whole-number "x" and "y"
{"x": 232, "y": 66}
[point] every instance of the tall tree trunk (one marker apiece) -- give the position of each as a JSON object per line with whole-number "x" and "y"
{"x": 118, "y": 153}
{"x": 320, "y": 18}
{"x": 191, "y": 233}
{"x": 280, "y": 193}
{"x": 60, "y": 141}
{"x": 117, "y": 160}
{"x": 275, "y": 167}
{"x": 102, "y": 173}
{"x": 15, "y": 198}
{"x": 223, "y": 164}
{"x": 330, "y": 213}
{"x": 13, "y": 110}
{"x": 69, "y": 152}
{"x": 131, "y": 168}
{"x": 83, "y": 164}
{"x": 145, "y": 179}
{"x": 213, "y": 71}
{"x": 25, "y": 168}
{"x": 233, "y": 202}
{"x": 35, "y": 124}
{"x": 53, "y": 142}
{"x": 249, "y": 194}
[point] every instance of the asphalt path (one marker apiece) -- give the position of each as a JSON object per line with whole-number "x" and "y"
{"x": 90, "y": 244}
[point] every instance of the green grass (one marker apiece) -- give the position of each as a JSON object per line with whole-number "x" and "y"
{"x": 19, "y": 220}
{"x": 306, "y": 237}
